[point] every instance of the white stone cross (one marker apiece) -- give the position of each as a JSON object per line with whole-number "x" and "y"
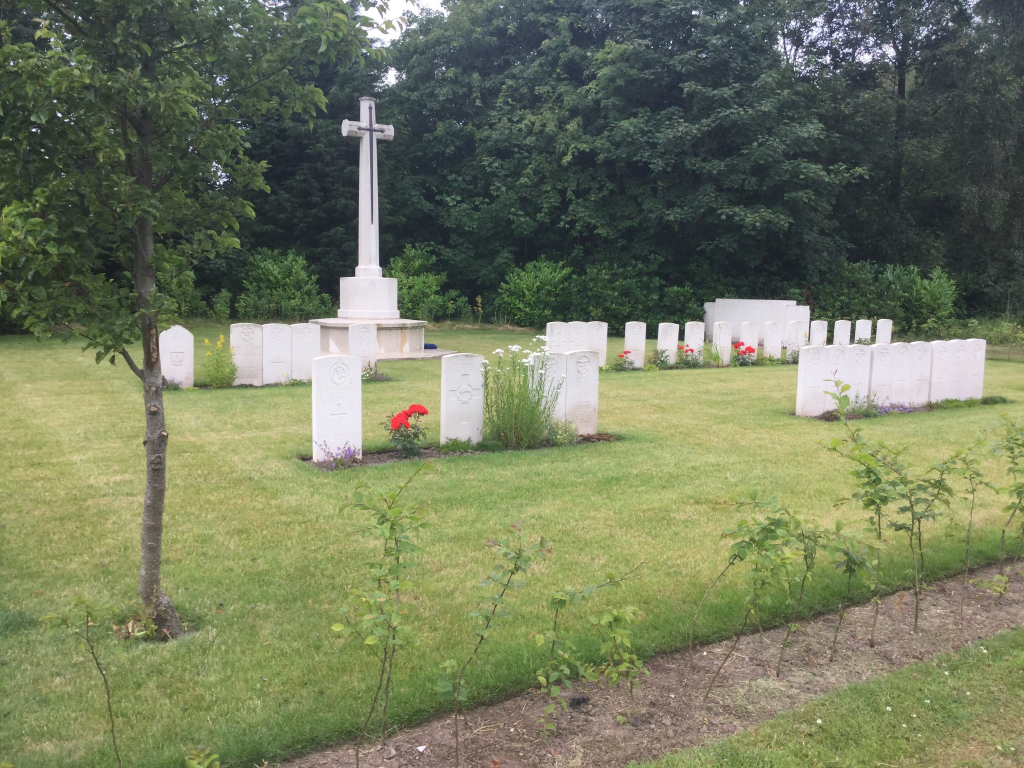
{"x": 340, "y": 413}
{"x": 368, "y": 131}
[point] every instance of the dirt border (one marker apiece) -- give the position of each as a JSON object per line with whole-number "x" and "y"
{"x": 668, "y": 711}
{"x": 432, "y": 452}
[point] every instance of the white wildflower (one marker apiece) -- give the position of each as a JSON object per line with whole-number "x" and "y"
{"x": 819, "y": 721}
{"x": 888, "y": 709}
{"x": 514, "y": 347}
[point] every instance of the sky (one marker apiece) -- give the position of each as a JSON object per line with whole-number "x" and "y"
{"x": 401, "y": 8}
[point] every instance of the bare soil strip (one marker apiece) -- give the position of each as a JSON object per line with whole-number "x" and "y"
{"x": 668, "y": 711}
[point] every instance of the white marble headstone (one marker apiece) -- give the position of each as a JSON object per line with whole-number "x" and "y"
{"x": 862, "y": 332}
{"x": 305, "y": 346}
{"x": 819, "y": 333}
{"x": 749, "y": 336}
{"x": 942, "y": 385}
{"x": 597, "y": 335}
{"x": 811, "y": 382}
{"x": 668, "y": 340}
{"x": 883, "y": 373}
{"x": 841, "y": 333}
{"x": 921, "y": 372}
{"x": 558, "y": 337}
{"x": 693, "y": 338}
{"x": 856, "y": 372}
{"x": 277, "y": 353}
{"x": 580, "y": 385}
{"x": 247, "y": 352}
{"x": 773, "y": 340}
{"x": 554, "y": 381}
{"x": 796, "y": 337}
{"x": 362, "y": 343}
{"x": 462, "y": 397}
{"x": 722, "y": 341}
{"x": 902, "y": 374}
{"x": 177, "y": 355}
{"x": 975, "y": 385}
{"x": 579, "y": 336}
{"x": 337, "y": 404}
{"x": 636, "y": 343}
{"x": 883, "y": 332}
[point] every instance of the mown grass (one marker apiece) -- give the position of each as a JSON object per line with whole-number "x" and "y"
{"x": 258, "y": 552}
{"x": 962, "y": 710}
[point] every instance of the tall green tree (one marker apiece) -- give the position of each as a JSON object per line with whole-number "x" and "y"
{"x": 123, "y": 162}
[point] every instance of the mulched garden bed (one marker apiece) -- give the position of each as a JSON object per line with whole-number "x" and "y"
{"x": 668, "y": 711}
{"x": 387, "y": 457}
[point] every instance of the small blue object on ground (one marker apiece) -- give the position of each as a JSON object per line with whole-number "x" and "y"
{"x": 430, "y": 346}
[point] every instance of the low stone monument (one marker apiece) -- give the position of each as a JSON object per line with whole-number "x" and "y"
{"x": 819, "y": 334}
{"x": 558, "y": 337}
{"x": 749, "y": 336}
{"x": 247, "y": 353}
{"x": 883, "y": 332}
{"x": 597, "y": 340}
{"x": 856, "y": 372}
{"x": 668, "y": 340}
{"x": 902, "y": 374}
{"x": 462, "y": 398}
{"x": 636, "y": 342}
{"x": 942, "y": 384}
{"x": 921, "y": 367}
{"x": 693, "y": 338}
{"x": 773, "y": 340}
{"x": 862, "y": 332}
{"x": 722, "y": 341}
{"x": 305, "y": 346}
{"x": 277, "y": 354}
{"x": 580, "y": 387}
{"x": 841, "y": 333}
{"x": 369, "y": 297}
{"x": 177, "y": 356}
{"x": 362, "y": 343}
{"x": 976, "y": 368}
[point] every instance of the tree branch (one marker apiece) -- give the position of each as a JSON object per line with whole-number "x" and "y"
{"x": 57, "y": 9}
{"x": 131, "y": 363}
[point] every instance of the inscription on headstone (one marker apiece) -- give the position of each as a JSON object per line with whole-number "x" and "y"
{"x": 773, "y": 340}
{"x": 883, "y": 370}
{"x": 862, "y": 331}
{"x": 819, "y": 333}
{"x": 558, "y": 337}
{"x": 841, "y": 333}
{"x": 462, "y": 397}
{"x": 902, "y": 373}
{"x": 277, "y": 353}
{"x": 362, "y": 343}
{"x": 811, "y": 383}
{"x": 942, "y": 385}
{"x": 693, "y": 338}
{"x": 581, "y": 391}
{"x": 883, "y": 332}
{"x": 579, "y": 336}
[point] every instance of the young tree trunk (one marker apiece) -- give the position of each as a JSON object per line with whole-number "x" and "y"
{"x": 158, "y": 605}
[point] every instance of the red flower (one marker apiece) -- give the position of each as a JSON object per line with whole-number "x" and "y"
{"x": 417, "y": 410}
{"x": 623, "y": 354}
{"x": 682, "y": 347}
{"x": 737, "y": 345}
{"x": 688, "y": 349}
{"x": 749, "y": 351}
{"x": 400, "y": 421}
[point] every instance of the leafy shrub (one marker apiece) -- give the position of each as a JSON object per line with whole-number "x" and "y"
{"x": 419, "y": 288}
{"x": 518, "y": 400}
{"x": 218, "y": 369}
{"x": 534, "y": 295}
{"x": 186, "y": 297}
{"x": 563, "y": 433}
{"x": 280, "y": 285}
{"x": 220, "y": 305}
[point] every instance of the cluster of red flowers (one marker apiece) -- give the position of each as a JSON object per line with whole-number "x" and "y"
{"x": 686, "y": 350}
{"x": 623, "y": 354}
{"x": 401, "y": 420}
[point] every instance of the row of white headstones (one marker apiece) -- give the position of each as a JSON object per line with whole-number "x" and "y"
{"x": 571, "y": 378}
{"x": 910, "y": 374}
{"x": 274, "y": 353}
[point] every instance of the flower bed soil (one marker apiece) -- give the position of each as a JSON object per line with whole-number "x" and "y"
{"x": 668, "y": 711}
{"x": 387, "y": 457}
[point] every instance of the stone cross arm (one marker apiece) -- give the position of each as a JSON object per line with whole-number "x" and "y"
{"x": 353, "y": 128}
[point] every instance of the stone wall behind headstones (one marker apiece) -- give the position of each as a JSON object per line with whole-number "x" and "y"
{"x": 462, "y": 398}
{"x": 668, "y": 340}
{"x": 177, "y": 356}
{"x": 247, "y": 353}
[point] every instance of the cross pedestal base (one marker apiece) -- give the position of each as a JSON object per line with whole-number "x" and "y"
{"x": 396, "y": 339}
{"x": 368, "y": 299}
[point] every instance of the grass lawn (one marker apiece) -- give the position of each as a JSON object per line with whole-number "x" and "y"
{"x": 959, "y": 711}
{"x": 257, "y": 552}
